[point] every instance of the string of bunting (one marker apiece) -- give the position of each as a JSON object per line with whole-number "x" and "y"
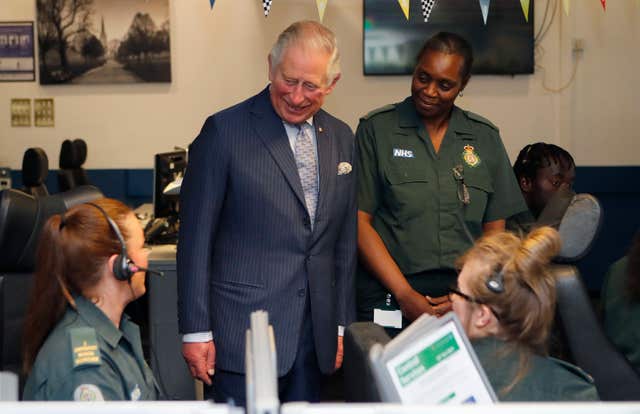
{"x": 429, "y": 5}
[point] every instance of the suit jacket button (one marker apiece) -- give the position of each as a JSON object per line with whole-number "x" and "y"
{"x": 306, "y": 221}
{"x": 301, "y": 292}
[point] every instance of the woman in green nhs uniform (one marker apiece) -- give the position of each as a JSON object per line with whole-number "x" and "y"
{"x": 505, "y": 298}
{"x": 425, "y": 167}
{"x": 79, "y": 345}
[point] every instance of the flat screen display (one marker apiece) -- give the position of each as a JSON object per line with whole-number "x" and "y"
{"x": 503, "y": 46}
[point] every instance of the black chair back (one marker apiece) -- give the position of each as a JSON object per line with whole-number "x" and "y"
{"x": 35, "y": 167}
{"x": 73, "y": 154}
{"x": 615, "y": 378}
{"x": 359, "y": 382}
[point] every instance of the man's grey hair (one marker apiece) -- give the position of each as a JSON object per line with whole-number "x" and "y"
{"x": 311, "y": 35}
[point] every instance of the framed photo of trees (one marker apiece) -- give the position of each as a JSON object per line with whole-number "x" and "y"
{"x": 103, "y": 41}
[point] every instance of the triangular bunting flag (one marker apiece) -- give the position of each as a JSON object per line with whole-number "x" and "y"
{"x": 266, "y": 5}
{"x": 427, "y": 7}
{"x": 212, "y": 2}
{"x": 322, "y": 5}
{"x": 404, "y": 4}
{"x": 567, "y": 5}
{"x": 525, "y": 8}
{"x": 604, "y": 4}
{"x": 484, "y": 6}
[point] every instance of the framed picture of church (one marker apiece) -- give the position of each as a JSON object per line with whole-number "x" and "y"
{"x": 103, "y": 41}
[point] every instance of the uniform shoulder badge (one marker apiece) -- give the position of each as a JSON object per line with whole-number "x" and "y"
{"x": 482, "y": 120}
{"x": 84, "y": 347}
{"x": 470, "y": 156}
{"x": 87, "y": 392}
{"x": 380, "y": 110}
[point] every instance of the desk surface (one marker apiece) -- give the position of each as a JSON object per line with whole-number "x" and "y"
{"x": 163, "y": 253}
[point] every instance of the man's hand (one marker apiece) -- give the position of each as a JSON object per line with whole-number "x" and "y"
{"x": 413, "y": 304}
{"x": 340, "y": 353}
{"x": 201, "y": 359}
{"x": 440, "y": 304}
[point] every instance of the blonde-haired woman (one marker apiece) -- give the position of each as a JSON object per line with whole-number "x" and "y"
{"x": 505, "y": 299}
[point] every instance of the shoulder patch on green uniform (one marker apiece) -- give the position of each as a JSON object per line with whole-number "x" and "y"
{"x": 84, "y": 347}
{"x": 478, "y": 118}
{"x": 574, "y": 370}
{"x": 380, "y": 110}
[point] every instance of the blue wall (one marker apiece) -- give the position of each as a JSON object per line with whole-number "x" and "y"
{"x": 617, "y": 188}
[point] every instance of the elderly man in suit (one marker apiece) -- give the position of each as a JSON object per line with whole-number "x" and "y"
{"x": 268, "y": 221}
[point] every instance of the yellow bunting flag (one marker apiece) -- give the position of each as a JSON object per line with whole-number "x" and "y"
{"x": 322, "y": 5}
{"x": 266, "y": 6}
{"x": 525, "y": 8}
{"x": 567, "y": 5}
{"x": 404, "y": 4}
{"x": 484, "y": 6}
{"x": 604, "y": 4}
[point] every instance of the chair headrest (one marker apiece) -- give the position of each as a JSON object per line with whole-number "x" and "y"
{"x": 72, "y": 154}
{"x": 66, "y": 155}
{"x": 18, "y": 213}
{"x": 80, "y": 147}
{"x": 22, "y": 217}
{"x": 579, "y": 227}
{"x": 35, "y": 167}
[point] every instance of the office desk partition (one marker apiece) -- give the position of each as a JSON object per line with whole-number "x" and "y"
{"x": 165, "y": 343}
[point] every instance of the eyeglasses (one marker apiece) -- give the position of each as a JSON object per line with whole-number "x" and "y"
{"x": 454, "y": 290}
{"x": 463, "y": 191}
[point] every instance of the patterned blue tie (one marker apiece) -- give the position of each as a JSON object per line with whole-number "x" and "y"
{"x": 307, "y": 169}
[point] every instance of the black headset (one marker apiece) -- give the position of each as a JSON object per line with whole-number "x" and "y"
{"x": 495, "y": 282}
{"x": 123, "y": 267}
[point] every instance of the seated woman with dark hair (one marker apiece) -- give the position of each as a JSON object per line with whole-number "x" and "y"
{"x": 621, "y": 304}
{"x": 545, "y": 174}
{"x": 79, "y": 345}
{"x": 505, "y": 299}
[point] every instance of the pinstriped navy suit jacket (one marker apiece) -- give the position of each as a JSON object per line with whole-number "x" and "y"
{"x": 246, "y": 242}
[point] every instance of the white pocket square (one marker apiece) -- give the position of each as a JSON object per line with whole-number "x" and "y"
{"x": 344, "y": 168}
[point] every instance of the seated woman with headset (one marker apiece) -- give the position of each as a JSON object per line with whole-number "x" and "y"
{"x": 505, "y": 300}
{"x": 79, "y": 345}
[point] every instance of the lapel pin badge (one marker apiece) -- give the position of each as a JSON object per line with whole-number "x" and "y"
{"x": 344, "y": 168}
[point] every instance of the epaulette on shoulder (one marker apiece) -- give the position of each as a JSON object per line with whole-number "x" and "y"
{"x": 579, "y": 372}
{"x": 380, "y": 110}
{"x": 482, "y": 120}
{"x": 85, "y": 350}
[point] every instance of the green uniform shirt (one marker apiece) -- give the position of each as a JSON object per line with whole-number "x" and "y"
{"x": 85, "y": 357}
{"x": 413, "y": 195}
{"x": 547, "y": 379}
{"x": 621, "y": 314}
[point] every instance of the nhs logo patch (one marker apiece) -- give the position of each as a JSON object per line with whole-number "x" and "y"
{"x": 402, "y": 153}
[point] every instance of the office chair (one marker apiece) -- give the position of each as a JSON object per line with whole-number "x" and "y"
{"x": 73, "y": 154}
{"x": 587, "y": 343}
{"x": 35, "y": 167}
{"x": 21, "y": 219}
{"x": 359, "y": 382}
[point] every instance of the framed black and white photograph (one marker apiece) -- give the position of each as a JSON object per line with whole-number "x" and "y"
{"x": 17, "y": 62}
{"x": 103, "y": 41}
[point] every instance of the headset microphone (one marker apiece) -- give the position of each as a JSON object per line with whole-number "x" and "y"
{"x": 136, "y": 268}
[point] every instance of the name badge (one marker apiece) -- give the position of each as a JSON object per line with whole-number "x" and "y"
{"x": 387, "y": 318}
{"x": 402, "y": 153}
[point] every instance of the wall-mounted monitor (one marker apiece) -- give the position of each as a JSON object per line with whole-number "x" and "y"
{"x": 503, "y": 46}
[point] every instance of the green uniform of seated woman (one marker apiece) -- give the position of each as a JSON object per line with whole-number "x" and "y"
{"x": 505, "y": 299}
{"x": 79, "y": 344}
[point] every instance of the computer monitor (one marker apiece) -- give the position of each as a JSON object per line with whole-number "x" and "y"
{"x": 168, "y": 167}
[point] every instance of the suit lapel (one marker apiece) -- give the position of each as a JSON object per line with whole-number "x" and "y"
{"x": 326, "y": 163}
{"x": 270, "y": 129}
